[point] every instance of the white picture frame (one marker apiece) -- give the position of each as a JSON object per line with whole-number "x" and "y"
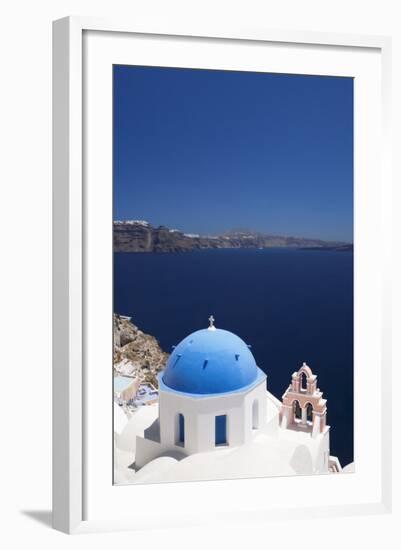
{"x": 70, "y": 260}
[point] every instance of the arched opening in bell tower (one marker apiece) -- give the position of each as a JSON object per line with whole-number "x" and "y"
{"x": 296, "y": 410}
{"x": 309, "y": 412}
{"x": 303, "y": 382}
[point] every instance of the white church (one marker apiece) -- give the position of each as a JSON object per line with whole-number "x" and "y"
{"x": 215, "y": 419}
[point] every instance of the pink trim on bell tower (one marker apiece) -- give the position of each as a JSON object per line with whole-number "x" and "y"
{"x": 303, "y": 407}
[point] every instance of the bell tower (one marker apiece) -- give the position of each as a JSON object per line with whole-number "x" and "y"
{"x": 303, "y": 407}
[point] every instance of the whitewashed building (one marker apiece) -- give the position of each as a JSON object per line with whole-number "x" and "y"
{"x": 213, "y": 399}
{"x": 211, "y": 395}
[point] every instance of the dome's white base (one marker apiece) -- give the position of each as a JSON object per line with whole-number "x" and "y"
{"x": 272, "y": 451}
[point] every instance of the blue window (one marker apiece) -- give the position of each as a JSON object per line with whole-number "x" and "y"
{"x": 181, "y": 428}
{"x": 221, "y": 429}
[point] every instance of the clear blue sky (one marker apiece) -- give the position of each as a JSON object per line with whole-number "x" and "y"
{"x": 208, "y": 151}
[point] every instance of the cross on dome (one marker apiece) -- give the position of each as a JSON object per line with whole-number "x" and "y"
{"x": 211, "y": 321}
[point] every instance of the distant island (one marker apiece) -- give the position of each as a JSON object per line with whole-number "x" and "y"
{"x": 141, "y": 236}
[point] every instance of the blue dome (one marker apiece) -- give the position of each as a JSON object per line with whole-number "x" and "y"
{"x": 210, "y": 361}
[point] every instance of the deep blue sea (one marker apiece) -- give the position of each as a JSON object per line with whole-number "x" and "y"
{"x": 289, "y": 305}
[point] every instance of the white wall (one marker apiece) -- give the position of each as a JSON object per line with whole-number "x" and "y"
{"x": 199, "y": 415}
{"x": 199, "y": 421}
{"x": 25, "y": 273}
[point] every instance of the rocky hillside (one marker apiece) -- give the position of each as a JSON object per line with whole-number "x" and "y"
{"x": 136, "y": 354}
{"x": 141, "y": 236}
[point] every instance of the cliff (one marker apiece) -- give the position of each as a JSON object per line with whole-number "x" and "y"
{"x": 136, "y": 354}
{"x": 141, "y": 236}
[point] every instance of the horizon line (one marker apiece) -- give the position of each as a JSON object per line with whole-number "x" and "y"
{"x": 232, "y": 230}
